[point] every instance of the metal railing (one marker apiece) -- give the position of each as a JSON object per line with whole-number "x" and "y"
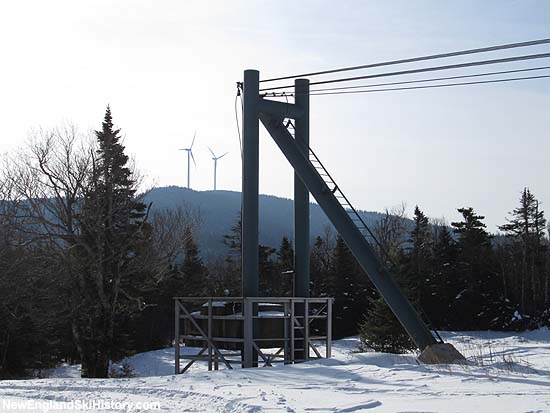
{"x": 243, "y": 331}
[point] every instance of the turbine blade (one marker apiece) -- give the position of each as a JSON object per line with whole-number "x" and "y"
{"x": 219, "y": 157}
{"x": 193, "y": 142}
{"x": 192, "y": 157}
{"x": 211, "y": 151}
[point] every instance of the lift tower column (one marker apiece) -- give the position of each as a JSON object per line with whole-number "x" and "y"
{"x": 301, "y": 194}
{"x": 250, "y": 202}
{"x": 249, "y": 241}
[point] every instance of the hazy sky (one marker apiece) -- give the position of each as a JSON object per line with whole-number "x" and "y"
{"x": 168, "y": 68}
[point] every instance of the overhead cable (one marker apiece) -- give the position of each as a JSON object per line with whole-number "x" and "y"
{"x": 417, "y": 59}
{"x": 432, "y": 86}
{"x": 405, "y": 82}
{"x": 423, "y": 70}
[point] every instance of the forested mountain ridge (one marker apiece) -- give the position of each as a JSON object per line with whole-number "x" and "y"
{"x": 219, "y": 210}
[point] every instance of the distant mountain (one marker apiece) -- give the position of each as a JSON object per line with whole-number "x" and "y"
{"x": 219, "y": 211}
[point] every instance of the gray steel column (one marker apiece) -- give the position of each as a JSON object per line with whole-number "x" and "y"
{"x": 210, "y": 335}
{"x": 301, "y": 194}
{"x": 248, "y": 334}
{"x": 250, "y": 184}
{"x": 177, "y": 321}
{"x": 329, "y": 329}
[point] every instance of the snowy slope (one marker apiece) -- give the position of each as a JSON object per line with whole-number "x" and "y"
{"x": 508, "y": 373}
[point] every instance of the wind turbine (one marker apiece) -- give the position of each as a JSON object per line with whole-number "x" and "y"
{"x": 215, "y": 159}
{"x": 189, "y": 157}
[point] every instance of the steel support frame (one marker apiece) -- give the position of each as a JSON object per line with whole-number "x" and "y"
{"x": 361, "y": 249}
{"x": 290, "y": 341}
{"x": 206, "y": 336}
{"x": 253, "y": 105}
{"x": 307, "y": 180}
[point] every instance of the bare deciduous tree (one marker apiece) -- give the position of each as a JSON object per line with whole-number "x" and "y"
{"x": 391, "y": 231}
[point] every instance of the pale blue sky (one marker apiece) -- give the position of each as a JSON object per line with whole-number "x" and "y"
{"x": 169, "y": 67}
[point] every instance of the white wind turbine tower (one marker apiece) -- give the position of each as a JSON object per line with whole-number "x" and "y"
{"x": 189, "y": 157}
{"x": 215, "y": 159}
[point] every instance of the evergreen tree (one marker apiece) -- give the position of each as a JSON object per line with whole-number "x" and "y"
{"x": 113, "y": 231}
{"x": 283, "y": 278}
{"x": 322, "y": 269}
{"x": 528, "y": 222}
{"x": 268, "y": 272}
{"x": 411, "y": 263}
{"x": 381, "y": 331}
{"x": 285, "y": 255}
{"x": 418, "y": 262}
{"x": 195, "y": 273}
{"x": 233, "y": 242}
{"x": 528, "y": 248}
{"x": 344, "y": 271}
{"x": 475, "y": 287}
{"x": 444, "y": 268}
{"x": 353, "y": 290}
{"x": 33, "y": 323}
{"x": 232, "y": 266}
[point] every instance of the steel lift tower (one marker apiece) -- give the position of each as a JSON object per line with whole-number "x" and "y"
{"x": 310, "y": 176}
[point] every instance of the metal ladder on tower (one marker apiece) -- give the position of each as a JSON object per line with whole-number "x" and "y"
{"x": 339, "y": 195}
{"x": 297, "y": 335}
{"x": 351, "y": 227}
{"x": 342, "y": 199}
{"x": 360, "y": 223}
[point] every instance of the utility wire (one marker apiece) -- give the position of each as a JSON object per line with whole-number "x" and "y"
{"x": 237, "y": 96}
{"x": 417, "y": 59}
{"x": 418, "y": 87}
{"x": 480, "y": 82}
{"x": 436, "y": 79}
{"x": 423, "y": 70}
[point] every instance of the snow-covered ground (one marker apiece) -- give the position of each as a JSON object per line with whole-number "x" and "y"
{"x": 508, "y": 373}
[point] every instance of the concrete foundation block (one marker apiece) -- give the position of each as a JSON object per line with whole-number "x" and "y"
{"x": 441, "y": 353}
